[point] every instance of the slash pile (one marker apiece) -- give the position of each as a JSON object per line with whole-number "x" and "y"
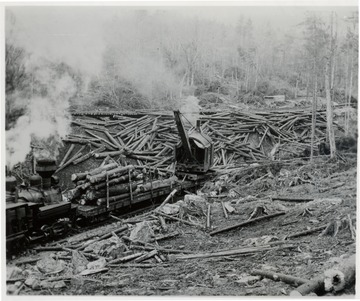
{"x": 148, "y": 138}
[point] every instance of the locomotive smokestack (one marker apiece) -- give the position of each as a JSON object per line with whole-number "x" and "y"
{"x": 198, "y": 125}
{"x": 46, "y": 168}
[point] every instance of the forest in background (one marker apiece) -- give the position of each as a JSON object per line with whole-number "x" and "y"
{"x": 156, "y": 59}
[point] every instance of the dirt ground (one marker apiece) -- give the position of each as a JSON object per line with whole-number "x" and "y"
{"x": 330, "y": 187}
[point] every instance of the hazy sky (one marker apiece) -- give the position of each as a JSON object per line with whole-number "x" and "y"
{"x": 64, "y": 31}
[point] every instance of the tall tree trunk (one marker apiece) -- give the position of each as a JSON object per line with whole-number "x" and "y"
{"x": 314, "y": 109}
{"x": 346, "y": 85}
{"x": 296, "y": 87}
{"x": 329, "y": 111}
{"x": 347, "y": 125}
{"x": 307, "y": 85}
{"x": 256, "y": 79}
{"x": 247, "y": 75}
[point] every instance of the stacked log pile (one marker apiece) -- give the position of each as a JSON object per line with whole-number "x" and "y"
{"x": 110, "y": 183}
{"x": 148, "y": 139}
{"x": 104, "y": 183}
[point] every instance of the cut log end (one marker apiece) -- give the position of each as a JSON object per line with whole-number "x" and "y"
{"x": 334, "y": 280}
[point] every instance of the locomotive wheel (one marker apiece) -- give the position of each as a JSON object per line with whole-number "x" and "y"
{"x": 47, "y": 231}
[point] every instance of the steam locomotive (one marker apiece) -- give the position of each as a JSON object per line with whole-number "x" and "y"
{"x": 39, "y": 211}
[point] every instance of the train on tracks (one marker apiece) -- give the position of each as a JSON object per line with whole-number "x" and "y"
{"x": 39, "y": 210}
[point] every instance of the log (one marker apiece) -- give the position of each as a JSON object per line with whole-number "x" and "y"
{"x": 295, "y": 281}
{"x": 77, "y": 155}
{"x": 103, "y": 168}
{"x": 224, "y": 210}
{"x": 315, "y": 285}
{"x": 247, "y": 222}
{"x": 110, "y": 154}
{"x": 157, "y": 184}
{"x": 235, "y": 252}
{"x": 171, "y": 194}
{"x": 113, "y": 191}
{"x": 158, "y": 259}
{"x": 162, "y": 223}
{"x": 208, "y": 222}
{"x": 335, "y": 279}
{"x": 306, "y": 232}
{"x": 165, "y": 236}
{"x": 178, "y": 219}
{"x": 102, "y": 139}
{"x": 46, "y": 249}
{"x": 88, "y": 155}
{"x": 342, "y": 276}
{"x": 125, "y": 259}
{"x": 78, "y": 176}
{"x": 112, "y": 182}
{"x": 142, "y": 266}
{"x": 292, "y": 199}
{"x": 26, "y": 261}
{"x": 74, "y": 194}
{"x": 104, "y": 236}
{"x": 112, "y": 139}
{"x": 91, "y": 272}
{"x": 117, "y": 171}
{"x": 146, "y": 256}
{"x": 103, "y": 201}
{"x": 115, "y": 218}
{"x": 71, "y": 148}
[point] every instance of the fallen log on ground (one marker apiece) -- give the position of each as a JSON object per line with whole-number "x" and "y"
{"x": 235, "y": 252}
{"x": 140, "y": 266}
{"x": 208, "y": 215}
{"x": 224, "y": 210}
{"x": 104, "y": 236}
{"x": 336, "y": 279}
{"x": 179, "y": 219}
{"x": 26, "y": 261}
{"x": 171, "y": 194}
{"x": 146, "y": 256}
{"x": 292, "y": 199}
{"x": 332, "y": 280}
{"x": 295, "y": 281}
{"x": 69, "y": 151}
{"x": 247, "y": 222}
{"x": 306, "y": 232}
{"x": 126, "y": 258}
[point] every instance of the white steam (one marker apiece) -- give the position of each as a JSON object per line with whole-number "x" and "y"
{"x": 190, "y": 108}
{"x": 45, "y": 122}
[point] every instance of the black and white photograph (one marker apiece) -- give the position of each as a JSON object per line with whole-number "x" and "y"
{"x": 180, "y": 149}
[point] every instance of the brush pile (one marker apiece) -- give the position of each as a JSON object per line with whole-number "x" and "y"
{"x": 148, "y": 138}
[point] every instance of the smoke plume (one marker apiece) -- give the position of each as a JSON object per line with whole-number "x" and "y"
{"x": 190, "y": 108}
{"x": 46, "y": 120}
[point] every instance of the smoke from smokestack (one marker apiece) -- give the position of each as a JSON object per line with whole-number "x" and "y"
{"x": 46, "y": 120}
